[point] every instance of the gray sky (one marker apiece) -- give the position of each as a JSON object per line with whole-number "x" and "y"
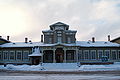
{"x": 91, "y": 18}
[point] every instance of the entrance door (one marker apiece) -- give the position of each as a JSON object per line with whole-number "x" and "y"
{"x": 59, "y": 58}
{"x": 35, "y": 60}
{"x": 59, "y": 55}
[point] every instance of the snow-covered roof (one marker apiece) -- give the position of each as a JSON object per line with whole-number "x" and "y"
{"x": 47, "y": 31}
{"x": 96, "y": 44}
{"x": 4, "y": 40}
{"x": 36, "y": 53}
{"x": 58, "y": 24}
{"x": 23, "y": 44}
{"x": 78, "y": 43}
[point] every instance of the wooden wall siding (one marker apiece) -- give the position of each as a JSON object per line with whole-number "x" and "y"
{"x": 103, "y": 49}
{"x": 118, "y": 41}
{"x": 82, "y": 49}
{"x": 15, "y": 60}
{"x": 2, "y": 42}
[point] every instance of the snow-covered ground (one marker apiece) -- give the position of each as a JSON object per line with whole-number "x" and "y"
{"x": 62, "y": 77}
{"x": 62, "y": 67}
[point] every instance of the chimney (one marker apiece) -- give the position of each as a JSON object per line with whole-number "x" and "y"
{"x": 8, "y": 37}
{"x": 26, "y": 39}
{"x": 41, "y": 38}
{"x": 93, "y": 39}
{"x": 108, "y": 37}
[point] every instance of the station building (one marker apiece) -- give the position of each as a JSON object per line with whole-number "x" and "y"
{"x": 58, "y": 45}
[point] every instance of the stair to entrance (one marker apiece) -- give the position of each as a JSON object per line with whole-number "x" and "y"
{"x": 60, "y": 66}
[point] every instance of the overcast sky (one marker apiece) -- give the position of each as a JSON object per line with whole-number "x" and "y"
{"x": 91, "y": 18}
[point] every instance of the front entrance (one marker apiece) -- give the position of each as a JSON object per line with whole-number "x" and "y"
{"x": 35, "y": 60}
{"x": 59, "y": 55}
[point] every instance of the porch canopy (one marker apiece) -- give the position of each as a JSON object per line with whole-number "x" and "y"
{"x": 36, "y": 53}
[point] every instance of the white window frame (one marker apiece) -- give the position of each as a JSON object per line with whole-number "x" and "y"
{"x": 17, "y": 54}
{"x": 69, "y": 40}
{"x": 99, "y": 54}
{"x": 59, "y": 31}
{"x": 105, "y": 54}
{"x": 59, "y": 34}
{"x": 5, "y": 54}
{"x": 10, "y": 55}
{"x": 86, "y": 52}
{"x": 50, "y": 40}
{"x": 59, "y": 39}
{"x": 91, "y": 53}
{"x": 26, "y": 51}
{"x": 80, "y": 57}
{"x": 114, "y": 53}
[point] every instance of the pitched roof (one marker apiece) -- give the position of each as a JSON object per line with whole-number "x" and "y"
{"x": 78, "y": 43}
{"x": 115, "y": 39}
{"x": 36, "y": 53}
{"x": 4, "y": 40}
{"x": 59, "y": 23}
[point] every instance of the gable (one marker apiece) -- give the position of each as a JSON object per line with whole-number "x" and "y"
{"x": 2, "y": 41}
{"x": 116, "y": 40}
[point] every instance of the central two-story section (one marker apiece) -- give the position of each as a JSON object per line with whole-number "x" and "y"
{"x": 59, "y": 36}
{"x": 59, "y": 33}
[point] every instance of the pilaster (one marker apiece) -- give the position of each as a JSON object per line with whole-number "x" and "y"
{"x": 64, "y": 55}
{"x": 54, "y": 61}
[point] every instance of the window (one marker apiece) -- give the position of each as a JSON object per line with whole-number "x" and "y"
{"x": 25, "y": 54}
{"x": 69, "y": 40}
{"x": 114, "y": 55}
{"x": 50, "y": 40}
{"x": 59, "y": 32}
{"x": 80, "y": 57}
{"x": 59, "y": 36}
{"x": 12, "y": 55}
{"x": 59, "y": 39}
{"x": 0, "y": 55}
{"x": 5, "y": 55}
{"x": 70, "y": 55}
{"x": 86, "y": 54}
{"x": 100, "y": 54}
{"x": 48, "y": 56}
{"x": 107, "y": 53}
{"x": 59, "y": 28}
{"x": 93, "y": 54}
{"x": 19, "y": 55}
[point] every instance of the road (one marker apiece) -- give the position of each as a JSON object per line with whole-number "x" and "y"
{"x": 16, "y": 75}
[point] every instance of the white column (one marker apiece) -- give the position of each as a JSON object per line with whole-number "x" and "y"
{"x": 64, "y": 55}
{"x": 54, "y": 61}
